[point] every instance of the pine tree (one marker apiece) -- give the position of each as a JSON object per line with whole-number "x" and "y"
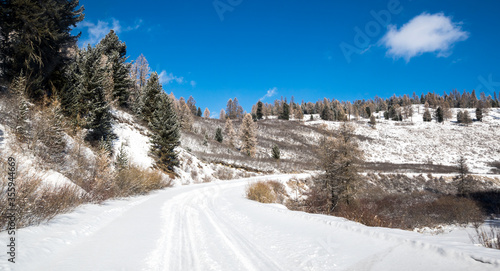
{"x": 218, "y": 135}
{"x": 91, "y": 104}
{"x": 149, "y": 97}
{"x": 479, "y": 114}
{"x": 36, "y": 40}
{"x": 462, "y": 180}
{"x": 259, "y": 113}
{"x": 326, "y": 113}
{"x": 427, "y": 115}
{"x": 248, "y": 136}
{"x": 275, "y": 152}
{"x": 229, "y": 131}
{"x": 121, "y": 158}
{"x": 285, "y": 112}
{"x": 206, "y": 113}
{"x": 466, "y": 118}
{"x": 115, "y": 52}
{"x": 198, "y": 112}
{"x": 439, "y": 114}
{"x": 166, "y": 134}
{"x": 22, "y": 123}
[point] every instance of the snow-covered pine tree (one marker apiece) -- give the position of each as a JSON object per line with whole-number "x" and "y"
{"x": 248, "y": 136}
{"x": 121, "y": 160}
{"x": 166, "y": 134}
{"x": 91, "y": 102}
{"x": 229, "y": 131}
{"x": 150, "y": 96}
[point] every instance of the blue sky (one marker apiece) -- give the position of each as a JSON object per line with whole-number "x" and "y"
{"x": 347, "y": 50}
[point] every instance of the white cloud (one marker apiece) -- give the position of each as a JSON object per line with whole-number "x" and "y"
{"x": 422, "y": 34}
{"x": 166, "y": 78}
{"x": 96, "y": 32}
{"x": 270, "y": 93}
{"x": 193, "y": 83}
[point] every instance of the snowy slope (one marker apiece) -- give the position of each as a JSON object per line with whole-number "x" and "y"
{"x": 418, "y": 142}
{"x": 213, "y": 227}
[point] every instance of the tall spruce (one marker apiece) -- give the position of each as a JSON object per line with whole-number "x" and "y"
{"x": 259, "y": 110}
{"x": 285, "y": 112}
{"x": 115, "y": 52}
{"x": 479, "y": 114}
{"x": 150, "y": 97}
{"x": 37, "y": 39}
{"x": 218, "y": 135}
{"x": 439, "y": 114}
{"x": 166, "y": 134}
{"x": 91, "y": 104}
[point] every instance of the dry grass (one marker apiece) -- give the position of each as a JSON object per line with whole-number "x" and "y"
{"x": 489, "y": 239}
{"x": 138, "y": 181}
{"x": 261, "y": 192}
{"x": 36, "y": 203}
{"x": 267, "y": 192}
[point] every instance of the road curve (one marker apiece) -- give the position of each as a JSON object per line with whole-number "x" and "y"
{"x": 213, "y": 226}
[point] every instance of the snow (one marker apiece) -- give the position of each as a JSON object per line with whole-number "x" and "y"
{"x": 134, "y": 138}
{"x": 212, "y": 226}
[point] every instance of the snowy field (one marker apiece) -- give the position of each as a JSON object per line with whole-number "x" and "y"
{"x": 213, "y": 226}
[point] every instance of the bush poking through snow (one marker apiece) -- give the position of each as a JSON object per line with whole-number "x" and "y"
{"x": 267, "y": 192}
{"x": 36, "y": 203}
{"x": 137, "y": 181}
{"x": 489, "y": 239}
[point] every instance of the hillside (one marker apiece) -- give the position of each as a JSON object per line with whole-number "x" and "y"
{"x": 410, "y": 146}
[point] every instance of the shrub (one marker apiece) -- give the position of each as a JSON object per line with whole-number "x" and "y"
{"x": 489, "y": 239}
{"x": 261, "y": 192}
{"x": 137, "y": 181}
{"x": 36, "y": 203}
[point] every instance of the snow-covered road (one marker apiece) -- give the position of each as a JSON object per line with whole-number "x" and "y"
{"x": 213, "y": 226}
